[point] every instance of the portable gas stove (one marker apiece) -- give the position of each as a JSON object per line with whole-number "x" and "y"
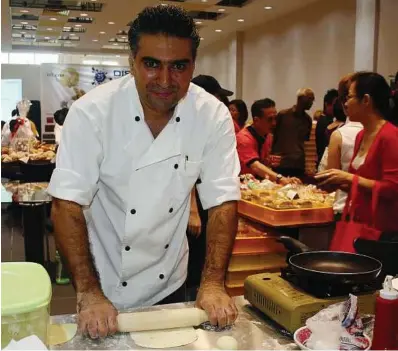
{"x": 290, "y": 300}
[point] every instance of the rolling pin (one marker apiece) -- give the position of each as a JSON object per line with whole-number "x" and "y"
{"x": 164, "y": 319}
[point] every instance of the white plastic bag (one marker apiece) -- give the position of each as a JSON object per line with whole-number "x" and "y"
{"x": 324, "y": 161}
{"x": 337, "y": 327}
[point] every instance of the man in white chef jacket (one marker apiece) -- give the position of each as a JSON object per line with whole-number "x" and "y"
{"x": 131, "y": 152}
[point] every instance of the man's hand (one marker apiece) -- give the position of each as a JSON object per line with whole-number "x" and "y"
{"x": 194, "y": 224}
{"x": 290, "y": 180}
{"x": 218, "y": 305}
{"x": 96, "y": 315}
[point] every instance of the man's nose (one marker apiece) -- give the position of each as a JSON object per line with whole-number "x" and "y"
{"x": 164, "y": 77}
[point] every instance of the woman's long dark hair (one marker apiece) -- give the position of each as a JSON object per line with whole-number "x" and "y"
{"x": 376, "y": 86}
{"x": 242, "y": 109}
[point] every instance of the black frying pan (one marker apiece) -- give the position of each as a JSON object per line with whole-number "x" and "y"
{"x": 336, "y": 267}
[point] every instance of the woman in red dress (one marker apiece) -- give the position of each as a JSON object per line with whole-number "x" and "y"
{"x": 375, "y": 158}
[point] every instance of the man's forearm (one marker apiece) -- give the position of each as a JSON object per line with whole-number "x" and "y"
{"x": 71, "y": 236}
{"x": 263, "y": 171}
{"x": 221, "y": 232}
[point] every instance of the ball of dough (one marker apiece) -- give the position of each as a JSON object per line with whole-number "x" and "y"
{"x": 227, "y": 343}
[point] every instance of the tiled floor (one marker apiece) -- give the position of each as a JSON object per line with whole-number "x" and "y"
{"x": 12, "y": 250}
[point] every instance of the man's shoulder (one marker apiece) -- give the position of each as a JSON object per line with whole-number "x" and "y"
{"x": 243, "y": 133}
{"x": 205, "y": 105}
{"x": 201, "y": 98}
{"x": 104, "y": 93}
{"x": 286, "y": 112}
{"x": 244, "y": 137}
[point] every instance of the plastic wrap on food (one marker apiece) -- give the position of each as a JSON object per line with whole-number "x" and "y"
{"x": 337, "y": 327}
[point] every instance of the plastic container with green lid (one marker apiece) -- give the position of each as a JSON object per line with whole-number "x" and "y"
{"x": 25, "y": 300}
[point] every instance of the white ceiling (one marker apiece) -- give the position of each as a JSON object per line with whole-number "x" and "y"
{"x": 121, "y": 12}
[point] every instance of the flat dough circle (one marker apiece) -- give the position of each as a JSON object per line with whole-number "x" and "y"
{"x": 227, "y": 343}
{"x": 161, "y": 339}
{"x": 60, "y": 333}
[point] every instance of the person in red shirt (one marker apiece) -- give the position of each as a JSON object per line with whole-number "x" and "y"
{"x": 254, "y": 143}
{"x": 375, "y": 158}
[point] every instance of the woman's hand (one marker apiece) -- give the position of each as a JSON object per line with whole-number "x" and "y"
{"x": 334, "y": 178}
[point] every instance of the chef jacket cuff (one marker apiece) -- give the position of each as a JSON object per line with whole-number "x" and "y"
{"x": 216, "y": 192}
{"x": 71, "y": 186}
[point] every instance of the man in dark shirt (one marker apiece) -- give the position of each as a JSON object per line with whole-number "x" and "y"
{"x": 326, "y": 119}
{"x": 293, "y": 128}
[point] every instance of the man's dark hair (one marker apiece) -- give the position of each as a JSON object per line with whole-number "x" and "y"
{"x": 259, "y": 105}
{"x": 330, "y": 97}
{"x": 168, "y": 20}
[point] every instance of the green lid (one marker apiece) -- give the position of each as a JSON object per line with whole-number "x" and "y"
{"x": 25, "y": 287}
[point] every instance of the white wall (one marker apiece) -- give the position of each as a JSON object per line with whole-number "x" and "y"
{"x": 312, "y": 47}
{"x": 387, "y": 61}
{"x": 30, "y": 75}
{"x": 219, "y": 60}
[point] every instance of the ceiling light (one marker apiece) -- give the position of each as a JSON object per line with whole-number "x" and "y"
{"x": 198, "y": 22}
{"x": 111, "y": 22}
{"x": 24, "y": 23}
{"x": 50, "y": 29}
{"x": 23, "y": 32}
{"x": 218, "y": 30}
{"x": 78, "y": 25}
{"x": 241, "y": 20}
{"x": 163, "y": 4}
{"x": 115, "y": 44}
{"x": 204, "y": 0}
{"x": 201, "y": 38}
{"x": 24, "y": 11}
{"x": 46, "y": 38}
{"x": 124, "y": 37}
{"x": 93, "y": 0}
{"x": 110, "y": 63}
{"x": 117, "y": 55}
{"x": 268, "y": 7}
{"x": 53, "y": 19}
{"x": 83, "y": 14}
{"x": 221, "y": 10}
{"x": 102, "y": 32}
{"x": 95, "y": 40}
{"x": 90, "y": 62}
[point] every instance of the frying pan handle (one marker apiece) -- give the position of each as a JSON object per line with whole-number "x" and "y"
{"x": 292, "y": 245}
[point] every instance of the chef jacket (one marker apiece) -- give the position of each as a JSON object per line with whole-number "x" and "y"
{"x": 136, "y": 189}
{"x": 252, "y": 147}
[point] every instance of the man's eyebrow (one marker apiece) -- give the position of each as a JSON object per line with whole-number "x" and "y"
{"x": 181, "y": 61}
{"x": 149, "y": 58}
{"x": 178, "y": 61}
